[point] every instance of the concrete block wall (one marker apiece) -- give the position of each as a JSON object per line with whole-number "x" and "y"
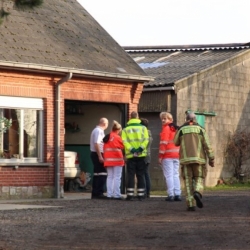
{"x": 223, "y": 89}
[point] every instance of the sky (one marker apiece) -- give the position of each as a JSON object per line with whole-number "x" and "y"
{"x": 172, "y": 22}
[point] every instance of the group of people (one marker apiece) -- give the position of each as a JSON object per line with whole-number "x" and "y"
{"x": 187, "y": 146}
{"x": 108, "y": 154}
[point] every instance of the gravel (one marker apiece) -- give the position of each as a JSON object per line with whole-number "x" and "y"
{"x": 223, "y": 223}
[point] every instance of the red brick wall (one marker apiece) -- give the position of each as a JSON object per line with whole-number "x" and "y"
{"x": 42, "y": 86}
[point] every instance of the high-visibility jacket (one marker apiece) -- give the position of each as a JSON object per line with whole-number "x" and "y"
{"x": 167, "y": 148}
{"x": 112, "y": 151}
{"x": 194, "y": 144}
{"x": 135, "y": 136}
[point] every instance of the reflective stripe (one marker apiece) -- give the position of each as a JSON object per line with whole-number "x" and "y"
{"x": 163, "y": 142}
{"x": 169, "y": 150}
{"x": 192, "y": 159}
{"x": 112, "y": 149}
{"x": 140, "y": 191}
{"x": 130, "y": 191}
{"x": 166, "y": 142}
{"x": 141, "y": 194}
{"x": 97, "y": 174}
{"x": 137, "y": 140}
{"x": 113, "y": 159}
{"x": 133, "y": 130}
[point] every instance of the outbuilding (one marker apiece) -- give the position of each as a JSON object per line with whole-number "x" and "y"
{"x": 211, "y": 80}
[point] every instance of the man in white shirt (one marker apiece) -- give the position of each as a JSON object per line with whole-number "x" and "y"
{"x": 96, "y": 148}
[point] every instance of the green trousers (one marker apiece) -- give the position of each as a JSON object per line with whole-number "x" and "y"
{"x": 193, "y": 176}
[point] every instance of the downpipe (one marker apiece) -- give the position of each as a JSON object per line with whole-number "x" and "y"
{"x": 57, "y": 132}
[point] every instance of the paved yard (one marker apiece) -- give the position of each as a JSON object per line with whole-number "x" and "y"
{"x": 223, "y": 223}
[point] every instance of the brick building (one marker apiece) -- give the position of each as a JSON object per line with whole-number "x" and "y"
{"x": 58, "y": 67}
{"x": 212, "y": 80}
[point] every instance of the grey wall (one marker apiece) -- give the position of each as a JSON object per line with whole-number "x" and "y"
{"x": 157, "y": 179}
{"x": 223, "y": 89}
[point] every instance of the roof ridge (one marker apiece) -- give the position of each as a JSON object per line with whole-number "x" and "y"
{"x": 188, "y": 47}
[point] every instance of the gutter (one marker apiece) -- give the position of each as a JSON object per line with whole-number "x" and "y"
{"x": 77, "y": 72}
{"x": 57, "y": 132}
{"x": 158, "y": 89}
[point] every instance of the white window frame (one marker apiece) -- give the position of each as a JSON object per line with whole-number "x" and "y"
{"x": 22, "y": 103}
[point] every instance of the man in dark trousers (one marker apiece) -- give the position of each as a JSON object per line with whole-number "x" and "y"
{"x": 194, "y": 150}
{"x": 135, "y": 139}
{"x": 96, "y": 148}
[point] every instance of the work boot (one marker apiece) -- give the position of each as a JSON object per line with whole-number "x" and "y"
{"x": 197, "y": 197}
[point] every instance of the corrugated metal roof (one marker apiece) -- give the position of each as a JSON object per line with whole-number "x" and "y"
{"x": 169, "y": 64}
{"x": 62, "y": 34}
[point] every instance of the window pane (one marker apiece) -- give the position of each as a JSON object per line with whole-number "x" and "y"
{"x": 30, "y": 133}
{"x": 9, "y": 140}
{"x": 21, "y": 139}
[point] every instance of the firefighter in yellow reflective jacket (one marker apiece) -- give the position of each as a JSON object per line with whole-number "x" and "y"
{"x": 194, "y": 150}
{"x": 135, "y": 139}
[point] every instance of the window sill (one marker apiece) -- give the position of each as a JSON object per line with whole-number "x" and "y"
{"x": 32, "y": 164}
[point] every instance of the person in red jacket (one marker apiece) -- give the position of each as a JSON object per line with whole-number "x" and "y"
{"x": 113, "y": 161}
{"x": 169, "y": 157}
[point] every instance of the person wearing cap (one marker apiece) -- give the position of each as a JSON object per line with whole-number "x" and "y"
{"x": 113, "y": 161}
{"x": 195, "y": 148}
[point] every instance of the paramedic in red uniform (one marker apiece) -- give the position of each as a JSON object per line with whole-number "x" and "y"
{"x": 114, "y": 161}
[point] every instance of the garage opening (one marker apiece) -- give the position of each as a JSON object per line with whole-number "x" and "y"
{"x": 81, "y": 118}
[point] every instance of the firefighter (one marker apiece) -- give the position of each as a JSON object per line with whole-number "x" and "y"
{"x": 135, "y": 139}
{"x": 194, "y": 150}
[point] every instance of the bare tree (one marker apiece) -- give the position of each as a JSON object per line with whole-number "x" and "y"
{"x": 237, "y": 151}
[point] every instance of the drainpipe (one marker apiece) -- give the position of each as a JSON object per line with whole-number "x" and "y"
{"x": 58, "y": 132}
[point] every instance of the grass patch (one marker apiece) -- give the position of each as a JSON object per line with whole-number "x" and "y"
{"x": 159, "y": 192}
{"x": 226, "y": 187}
{"x": 233, "y": 186}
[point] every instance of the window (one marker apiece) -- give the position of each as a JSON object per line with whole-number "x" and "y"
{"x": 22, "y": 141}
